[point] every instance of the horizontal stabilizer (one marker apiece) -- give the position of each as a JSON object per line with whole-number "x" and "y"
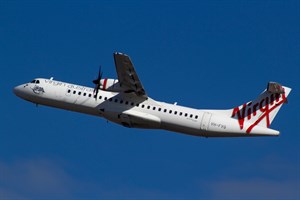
{"x": 275, "y": 88}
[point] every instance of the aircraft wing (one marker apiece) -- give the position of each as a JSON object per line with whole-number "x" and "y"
{"x": 127, "y": 76}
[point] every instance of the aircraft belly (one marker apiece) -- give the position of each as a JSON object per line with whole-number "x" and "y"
{"x": 186, "y": 125}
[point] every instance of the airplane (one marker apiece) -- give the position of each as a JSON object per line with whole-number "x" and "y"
{"x": 124, "y": 101}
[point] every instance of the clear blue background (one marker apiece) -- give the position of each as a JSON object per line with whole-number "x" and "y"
{"x": 203, "y": 54}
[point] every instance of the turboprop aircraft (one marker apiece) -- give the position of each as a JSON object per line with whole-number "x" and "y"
{"x": 125, "y": 101}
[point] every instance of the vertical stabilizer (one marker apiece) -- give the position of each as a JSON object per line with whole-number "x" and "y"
{"x": 262, "y": 110}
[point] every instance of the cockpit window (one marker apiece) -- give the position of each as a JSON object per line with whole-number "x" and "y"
{"x": 35, "y": 81}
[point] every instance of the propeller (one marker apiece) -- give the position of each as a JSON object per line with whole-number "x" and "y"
{"x": 97, "y": 82}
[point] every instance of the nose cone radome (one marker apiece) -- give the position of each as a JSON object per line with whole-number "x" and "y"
{"x": 19, "y": 91}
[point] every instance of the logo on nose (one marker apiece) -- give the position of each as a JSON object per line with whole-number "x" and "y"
{"x": 38, "y": 90}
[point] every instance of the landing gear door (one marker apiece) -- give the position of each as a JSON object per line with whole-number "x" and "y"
{"x": 125, "y": 120}
{"x": 205, "y": 121}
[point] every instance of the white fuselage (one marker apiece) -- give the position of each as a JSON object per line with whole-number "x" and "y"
{"x": 136, "y": 112}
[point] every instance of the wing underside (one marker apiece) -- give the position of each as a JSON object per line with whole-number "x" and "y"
{"x": 127, "y": 75}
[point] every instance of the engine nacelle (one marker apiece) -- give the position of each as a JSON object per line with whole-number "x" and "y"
{"x": 111, "y": 85}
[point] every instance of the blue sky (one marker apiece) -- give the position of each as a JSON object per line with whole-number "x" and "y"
{"x": 203, "y": 54}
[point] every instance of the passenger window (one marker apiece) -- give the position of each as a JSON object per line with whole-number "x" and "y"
{"x": 84, "y": 94}
{"x": 148, "y": 107}
{"x": 126, "y": 102}
{"x": 180, "y": 113}
{"x": 69, "y": 91}
{"x": 170, "y": 111}
{"x": 37, "y": 82}
{"x": 74, "y": 92}
{"x": 143, "y": 106}
{"x": 137, "y": 105}
{"x": 191, "y": 116}
{"x": 154, "y": 108}
{"x": 175, "y": 112}
{"x": 132, "y": 103}
{"x": 185, "y": 114}
{"x": 116, "y": 100}
{"x": 110, "y": 99}
{"x": 105, "y": 98}
{"x": 165, "y": 110}
{"x": 79, "y": 93}
{"x": 196, "y": 116}
{"x": 121, "y": 101}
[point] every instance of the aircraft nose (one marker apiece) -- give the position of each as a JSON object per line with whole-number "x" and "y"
{"x": 16, "y": 90}
{"x": 19, "y": 90}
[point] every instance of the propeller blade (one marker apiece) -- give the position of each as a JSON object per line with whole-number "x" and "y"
{"x": 97, "y": 82}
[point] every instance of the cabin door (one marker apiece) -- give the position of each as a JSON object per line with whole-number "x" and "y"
{"x": 205, "y": 121}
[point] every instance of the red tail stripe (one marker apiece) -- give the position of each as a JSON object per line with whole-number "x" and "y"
{"x": 266, "y": 114}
